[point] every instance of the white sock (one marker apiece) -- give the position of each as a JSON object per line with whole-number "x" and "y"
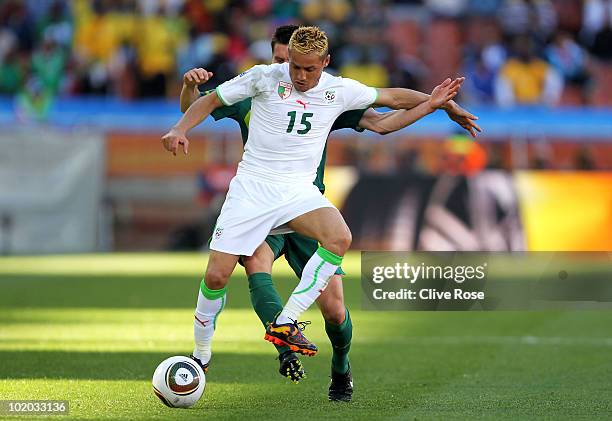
{"x": 315, "y": 276}
{"x": 210, "y": 304}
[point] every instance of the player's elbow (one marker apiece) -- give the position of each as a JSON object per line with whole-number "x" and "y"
{"x": 394, "y": 102}
{"x": 374, "y": 123}
{"x": 379, "y": 128}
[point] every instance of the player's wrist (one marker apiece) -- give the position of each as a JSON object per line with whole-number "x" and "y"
{"x": 432, "y": 106}
{"x": 449, "y": 106}
{"x": 178, "y": 130}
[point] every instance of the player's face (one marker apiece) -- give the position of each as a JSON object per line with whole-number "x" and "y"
{"x": 280, "y": 54}
{"x": 305, "y": 69}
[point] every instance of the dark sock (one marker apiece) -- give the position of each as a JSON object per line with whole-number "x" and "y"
{"x": 265, "y": 300}
{"x": 340, "y": 337}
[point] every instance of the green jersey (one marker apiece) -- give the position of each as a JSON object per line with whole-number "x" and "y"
{"x": 241, "y": 112}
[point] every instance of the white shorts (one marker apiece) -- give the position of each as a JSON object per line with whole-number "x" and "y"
{"x": 253, "y": 208}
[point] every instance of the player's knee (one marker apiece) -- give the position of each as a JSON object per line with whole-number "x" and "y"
{"x": 335, "y": 314}
{"x": 256, "y": 264}
{"x": 216, "y": 278}
{"x": 341, "y": 242}
{"x": 348, "y": 239}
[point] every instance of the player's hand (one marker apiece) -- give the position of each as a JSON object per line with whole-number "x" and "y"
{"x": 195, "y": 77}
{"x": 462, "y": 117}
{"x": 173, "y": 139}
{"x": 445, "y": 92}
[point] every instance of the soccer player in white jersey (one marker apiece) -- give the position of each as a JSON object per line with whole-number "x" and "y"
{"x": 296, "y": 248}
{"x": 293, "y": 109}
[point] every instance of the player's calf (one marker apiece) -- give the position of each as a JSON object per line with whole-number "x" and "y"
{"x": 331, "y": 301}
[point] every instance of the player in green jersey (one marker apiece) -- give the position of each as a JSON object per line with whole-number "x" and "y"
{"x": 296, "y": 248}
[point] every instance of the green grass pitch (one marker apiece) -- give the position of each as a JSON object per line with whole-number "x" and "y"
{"x": 91, "y": 330}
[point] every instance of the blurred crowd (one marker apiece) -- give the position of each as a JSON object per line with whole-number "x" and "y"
{"x": 512, "y": 51}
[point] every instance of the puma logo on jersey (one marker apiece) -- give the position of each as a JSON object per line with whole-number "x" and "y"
{"x": 302, "y": 103}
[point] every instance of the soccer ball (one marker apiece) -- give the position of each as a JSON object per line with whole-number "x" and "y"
{"x": 179, "y": 382}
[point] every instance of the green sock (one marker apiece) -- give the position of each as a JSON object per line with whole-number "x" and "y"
{"x": 340, "y": 337}
{"x": 265, "y": 300}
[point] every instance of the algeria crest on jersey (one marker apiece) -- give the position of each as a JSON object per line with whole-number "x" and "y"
{"x": 330, "y": 96}
{"x": 284, "y": 89}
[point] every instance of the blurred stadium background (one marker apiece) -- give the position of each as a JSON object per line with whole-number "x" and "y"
{"x": 88, "y": 87}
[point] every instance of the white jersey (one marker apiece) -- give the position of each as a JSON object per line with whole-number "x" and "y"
{"x": 287, "y": 128}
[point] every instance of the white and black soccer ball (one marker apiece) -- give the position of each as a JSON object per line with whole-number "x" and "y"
{"x": 179, "y": 382}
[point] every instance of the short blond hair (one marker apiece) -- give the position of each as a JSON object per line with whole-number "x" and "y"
{"x": 308, "y": 39}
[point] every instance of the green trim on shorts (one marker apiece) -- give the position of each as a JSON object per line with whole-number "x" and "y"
{"x": 277, "y": 244}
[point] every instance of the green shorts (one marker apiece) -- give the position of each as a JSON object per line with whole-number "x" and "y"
{"x": 297, "y": 250}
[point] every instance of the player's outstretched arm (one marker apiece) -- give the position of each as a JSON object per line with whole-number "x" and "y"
{"x": 384, "y": 123}
{"x": 399, "y": 98}
{"x": 390, "y": 121}
{"x": 190, "y": 92}
{"x": 403, "y": 98}
{"x": 196, "y": 113}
